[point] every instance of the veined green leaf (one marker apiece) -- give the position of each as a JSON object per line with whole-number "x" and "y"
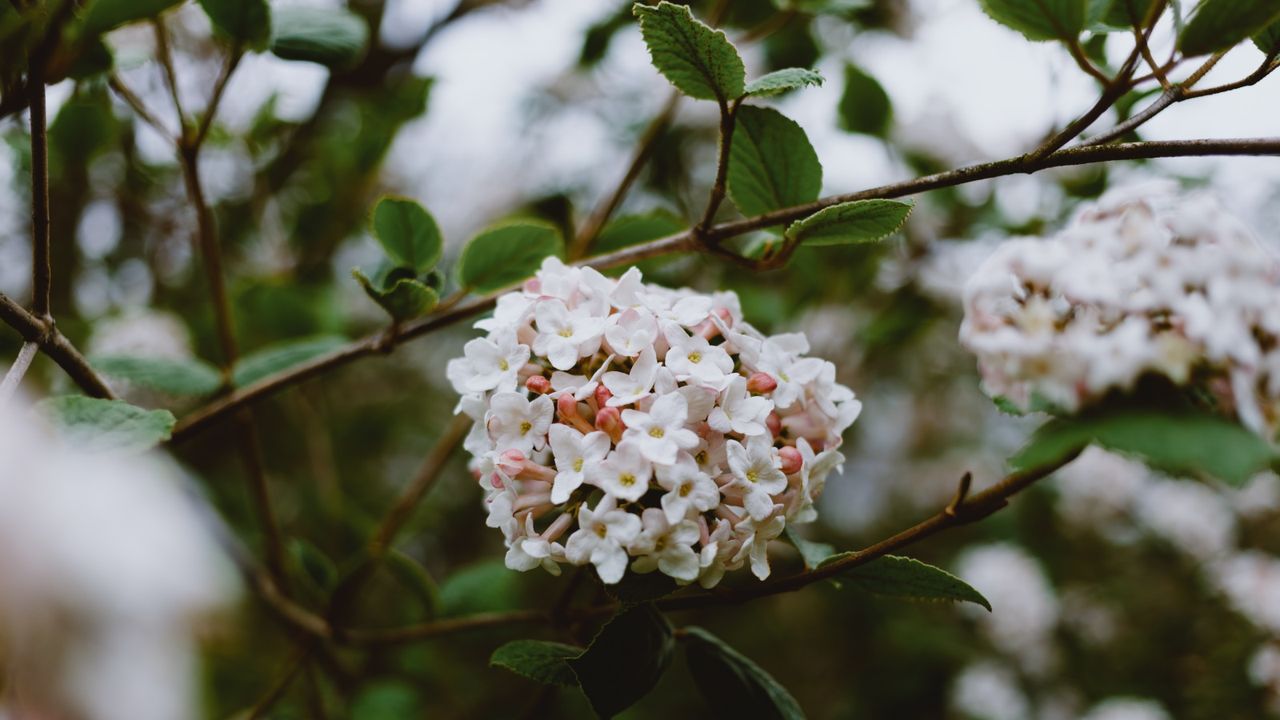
{"x": 699, "y": 61}
{"x": 904, "y": 577}
{"x": 860, "y": 221}
{"x": 96, "y": 425}
{"x": 1221, "y": 24}
{"x": 780, "y": 81}
{"x": 507, "y": 254}
{"x": 771, "y": 163}
{"x": 539, "y": 660}
{"x": 1039, "y": 19}
{"x": 732, "y": 683}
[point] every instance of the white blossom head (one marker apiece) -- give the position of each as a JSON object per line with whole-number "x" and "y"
{"x": 640, "y": 429}
{"x": 1145, "y": 283}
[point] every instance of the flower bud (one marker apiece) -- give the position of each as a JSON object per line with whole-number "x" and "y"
{"x": 774, "y": 423}
{"x": 538, "y": 384}
{"x": 761, "y": 383}
{"x": 791, "y": 460}
{"x": 567, "y": 407}
{"x": 510, "y": 463}
{"x": 609, "y": 419}
{"x": 602, "y": 396}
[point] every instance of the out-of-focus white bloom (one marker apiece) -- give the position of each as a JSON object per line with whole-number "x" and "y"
{"x": 1143, "y": 282}
{"x": 106, "y": 568}
{"x": 1026, "y": 609}
{"x": 651, "y": 427}
{"x": 1127, "y": 709}
{"x": 1098, "y": 489}
{"x": 987, "y": 691}
{"x": 1191, "y": 516}
{"x": 1264, "y": 670}
{"x": 1251, "y": 583}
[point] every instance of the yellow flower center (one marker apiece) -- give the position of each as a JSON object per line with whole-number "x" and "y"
{"x": 626, "y": 479}
{"x": 601, "y": 530}
{"x": 695, "y": 357}
{"x": 577, "y": 465}
{"x": 657, "y": 432}
{"x": 685, "y": 489}
{"x": 525, "y": 427}
{"x": 753, "y": 475}
{"x": 565, "y": 332}
{"x": 503, "y": 365}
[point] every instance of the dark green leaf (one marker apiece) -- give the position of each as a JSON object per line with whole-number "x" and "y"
{"x": 403, "y": 298}
{"x": 823, "y": 7}
{"x": 860, "y": 221}
{"x": 813, "y": 553}
{"x": 1221, "y": 24}
{"x": 780, "y": 81}
{"x": 103, "y": 15}
{"x": 407, "y": 233}
{"x": 507, "y": 254}
{"x": 1120, "y": 13}
{"x": 733, "y": 684}
{"x": 904, "y": 577}
{"x": 1268, "y": 41}
{"x": 387, "y": 700}
{"x": 313, "y": 564}
{"x": 1177, "y": 442}
{"x": 699, "y": 61}
{"x": 635, "y": 229}
{"x": 174, "y": 377}
{"x": 538, "y": 660}
{"x": 641, "y": 587}
{"x": 483, "y": 587}
{"x": 243, "y": 22}
{"x": 771, "y": 163}
{"x": 865, "y": 106}
{"x": 282, "y": 356}
{"x": 92, "y": 58}
{"x": 625, "y": 660}
{"x": 1039, "y": 19}
{"x": 414, "y": 578}
{"x": 332, "y": 37}
{"x": 95, "y": 425}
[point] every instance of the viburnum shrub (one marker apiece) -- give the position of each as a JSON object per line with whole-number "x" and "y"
{"x": 621, "y": 424}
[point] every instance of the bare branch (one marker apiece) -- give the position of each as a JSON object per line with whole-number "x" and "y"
{"x": 54, "y": 344}
{"x": 41, "y": 273}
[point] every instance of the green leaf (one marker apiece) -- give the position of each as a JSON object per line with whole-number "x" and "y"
{"x": 860, "y": 221}
{"x": 1221, "y": 24}
{"x": 733, "y": 684}
{"x": 904, "y": 577}
{"x": 483, "y": 587}
{"x": 1039, "y": 19}
{"x": 1176, "y": 442}
{"x": 103, "y": 15}
{"x": 407, "y": 233}
{"x": 387, "y": 700}
{"x": 403, "y": 298}
{"x": 95, "y": 425}
{"x": 313, "y": 564}
{"x": 780, "y": 81}
{"x": 635, "y": 229}
{"x": 824, "y": 7}
{"x": 415, "y": 578}
{"x": 93, "y": 57}
{"x": 771, "y": 163}
{"x": 699, "y": 61}
{"x": 865, "y": 106}
{"x": 333, "y": 37}
{"x": 641, "y": 587}
{"x": 183, "y": 378}
{"x": 1120, "y": 13}
{"x": 813, "y": 553}
{"x": 625, "y": 660}
{"x": 507, "y": 254}
{"x": 1268, "y": 41}
{"x": 538, "y": 660}
{"x": 282, "y": 356}
{"x": 243, "y": 22}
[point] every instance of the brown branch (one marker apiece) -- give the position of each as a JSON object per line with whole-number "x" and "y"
{"x": 54, "y": 344}
{"x": 206, "y": 122}
{"x": 426, "y": 477}
{"x": 728, "y": 117}
{"x": 41, "y": 273}
{"x": 135, "y": 103}
{"x": 688, "y": 242}
{"x": 165, "y": 56}
{"x": 211, "y": 254}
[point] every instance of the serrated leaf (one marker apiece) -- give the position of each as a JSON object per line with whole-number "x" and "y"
{"x": 780, "y": 81}
{"x": 243, "y": 22}
{"x": 771, "y": 163}
{"x": 699, "y": 61}
{"x": 1268, "y": 41}
{"x": 96, "y": 425}
{"x": 732, "y": 683}
{"x": 860, "y": 221}
{"x": 1176, "y": 442}
{"x": 1221, "y": 24}
{"x": 407, "y": 233}
{"x": 1039, "y": 19}
{"x": 183, "y": 378}
{"x": 333, "y": 37}
{"x": 864, "y": 106}
{"x": 282, "y": 356}
{"x": 104, "y": 15}
{"x": 813, "y": 553}
{"x": 414, "y": 578}
{"x": 539, "y": 660}
{"x": 507, "y": 254}
{"x": 625, "y": 660}
{"x": 904, "y": 577}
{"x": 404, "y": 299}
{"x": 635, "y": 229}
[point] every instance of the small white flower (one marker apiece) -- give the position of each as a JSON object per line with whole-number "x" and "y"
{"x": 755, "y": 535}
{"x": 660, "y": 433}
{"x": 602, "y": 537}
{"x": 574, "y": 453}
{"x": 501, "y": 504}
{"x": 667, "y": 547}
{"x": 529, "y": 551}
{"x": 694, "y": 357}
{"x": 813, "y": 476}
{"x": 755, "y": 471}
{"x": 492, "y": 364}
{"x": 625, "y": 474}
{"x": 631, "y": 332}
{"x": 689, "y": 490}
{"x": 515, "y": 423}
{"x": 739, "y": 411}
{"x": 565, "y": 335}
{"x": 580, "y": 385}
{"x": 631, "y": 387}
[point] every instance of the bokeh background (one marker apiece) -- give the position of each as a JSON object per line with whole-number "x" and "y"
{"x": 1118, "y": 594}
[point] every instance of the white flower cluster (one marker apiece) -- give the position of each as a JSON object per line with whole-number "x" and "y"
{"x": 1141, "y": 282}
{"x": 650, "y": 427}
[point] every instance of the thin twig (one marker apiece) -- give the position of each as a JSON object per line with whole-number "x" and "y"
{"x": 423, "y": 481}
{"x": 131, "y": 98}
{"x": 206, "y": 122}
{"x": 170, "y": 73}
{"x": 211, "y": 255}
{"x": 41, "y": 274}
{"x": 687, "y": 241}
{"x": 54, "y": 344}
{"x": 275, "y": 692}
{"x": 251, "y": 456}
{"x": 14, "y": 376}
{"x": 728, "y": 117}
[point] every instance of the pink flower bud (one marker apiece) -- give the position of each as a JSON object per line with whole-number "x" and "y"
{"x": 602, "y": 396}
{"x": 538, "y": 384}
{"x": 791, "y": 460}
{"x": 511, "y": 462}
{"x": 568, "y": 409}
{"x": 774, "y": 423}
{"x": 533, "y": 285}
{"x": 761, "y": 383}
{"x": 609, "y": 419}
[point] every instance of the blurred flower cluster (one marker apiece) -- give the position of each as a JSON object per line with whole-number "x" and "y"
{"x": 1143, "y": 281}
{"x": 651, "y": 427}
{"x": 107, "y": 568}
